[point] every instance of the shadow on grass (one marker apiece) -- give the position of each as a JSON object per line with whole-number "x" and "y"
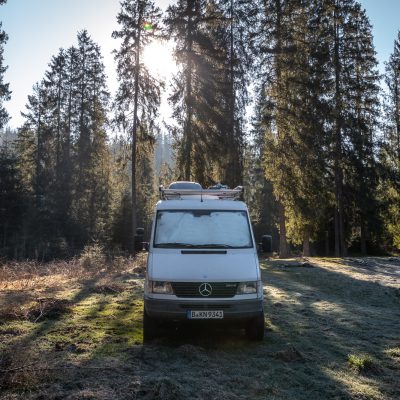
{"x": 34, "y": 349}
{"x": 315, "y": 318}
{"x": 328, "y": 315}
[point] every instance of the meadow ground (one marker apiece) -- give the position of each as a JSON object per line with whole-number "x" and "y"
{"x": 72, "y": 330}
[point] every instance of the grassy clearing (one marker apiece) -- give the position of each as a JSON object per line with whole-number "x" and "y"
{"x": 74, "y": 330}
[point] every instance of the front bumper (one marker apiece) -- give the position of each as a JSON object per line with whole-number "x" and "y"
{"x": 176, "y": 310}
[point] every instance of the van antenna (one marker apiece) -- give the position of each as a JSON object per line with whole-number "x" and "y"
{"x": 201, "y": 195}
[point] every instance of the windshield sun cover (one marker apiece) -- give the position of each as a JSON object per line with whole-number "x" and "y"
{"x": 202, "y": 229}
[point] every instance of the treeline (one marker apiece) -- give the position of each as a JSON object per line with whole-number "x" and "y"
{"x": 61, "y": 169}
{"x": 320, "y": 159}
{"x": 321, "y": 137}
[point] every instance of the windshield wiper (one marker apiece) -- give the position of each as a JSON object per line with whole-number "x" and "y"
{"x": 194, "y": 246}
{"x": 175, "y": 245}
{"x": 214, "y": 246}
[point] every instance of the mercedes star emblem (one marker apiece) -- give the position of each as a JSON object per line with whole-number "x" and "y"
{"x": 205, "y": 289}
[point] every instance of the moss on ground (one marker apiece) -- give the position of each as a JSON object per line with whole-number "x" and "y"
{"x": 325, "y": 319}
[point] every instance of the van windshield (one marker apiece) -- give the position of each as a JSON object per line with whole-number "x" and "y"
{"x": 202, "y": 229}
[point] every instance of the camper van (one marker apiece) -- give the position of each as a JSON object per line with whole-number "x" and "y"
{"x": 202, "y": 264}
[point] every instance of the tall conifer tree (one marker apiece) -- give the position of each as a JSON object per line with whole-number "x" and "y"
{"x": 138, "y": 97}
{"x": 63, "y": 154}
{"x": 390, "y": 149}
{"x": 316, "y": 127}
{"x": 4, "y": 87}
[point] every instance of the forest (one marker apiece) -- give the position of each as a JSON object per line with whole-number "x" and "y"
{"x": 318, "y": 155}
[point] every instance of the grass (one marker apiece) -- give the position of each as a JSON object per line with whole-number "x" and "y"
{"x": 74, "y": 330}
{"x": 362, "y": 363}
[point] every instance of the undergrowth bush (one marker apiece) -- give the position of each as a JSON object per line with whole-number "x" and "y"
{"x": 92, "y": 257}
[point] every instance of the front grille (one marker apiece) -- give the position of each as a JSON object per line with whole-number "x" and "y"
{"x": 192, "y": 289}
{"x": 205, "y": 306}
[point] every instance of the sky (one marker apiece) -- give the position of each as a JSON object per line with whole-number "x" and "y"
{"x": 37, "y": 29}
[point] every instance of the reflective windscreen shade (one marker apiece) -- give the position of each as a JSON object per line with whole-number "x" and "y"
{"x": 202, "y": 228}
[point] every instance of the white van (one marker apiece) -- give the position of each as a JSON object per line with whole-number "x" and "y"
{"x": 202, "y": 263}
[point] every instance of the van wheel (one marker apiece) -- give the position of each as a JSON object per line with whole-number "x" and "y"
{"x": 255, "y": 328}
{"x": 149, "y": 328}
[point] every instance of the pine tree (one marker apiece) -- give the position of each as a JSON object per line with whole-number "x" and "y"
{"x": 276, "y": 42}
{"x": 5, "y": 93}
{"x": 63, "y": 157}
{"x": 259, "y": 191}
{"x": 392, "y": 111}
{"x": 12, "y": 202}
{"x": 36, "y": 165}
{"x": 241, "y": 18}
{"x": 362, "y": 98}
{"x": 209, "y": 92}
{"x": 390, "y": 149}
{"x": 182, "y": 22}
{"x": 354, "y": 114}
{"x": 138, "y": 97}
{"x": 91, "y": 182}
{"x": 315, "y": 127}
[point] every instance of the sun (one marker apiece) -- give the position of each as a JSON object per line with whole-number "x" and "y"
{"x": 157, "y": 56}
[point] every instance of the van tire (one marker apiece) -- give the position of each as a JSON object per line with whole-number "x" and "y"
{"x": 255, "y": 328}
{"x": 150, "y": 328}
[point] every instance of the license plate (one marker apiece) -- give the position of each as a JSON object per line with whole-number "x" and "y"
{"x": 206, "y": 314}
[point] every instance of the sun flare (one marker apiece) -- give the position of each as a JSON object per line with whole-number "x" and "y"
{"x": 157, "y": 57}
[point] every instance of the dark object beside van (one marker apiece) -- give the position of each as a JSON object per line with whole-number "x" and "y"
{"x": 266, "y": 243}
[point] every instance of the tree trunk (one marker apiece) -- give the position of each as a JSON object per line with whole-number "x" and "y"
{"x": 58, "y": 136}
{"x": 231, "y": 164}
{"x": 67, "y": 170}
{"x": 306, "y": 243}
{"x": 340, "y": 245}
{"x": 283, "y": 247}
{"x": 188, "y": 134}
{"x": 134, "y": 136}
{"x": 327, "y": 251}
{"x": 337, "y": 241}
{"x": 343, "y": 246}
{"x": 38, "y": 188}
{"x": 363, "y": 238}
{"x": 397, "y": 112}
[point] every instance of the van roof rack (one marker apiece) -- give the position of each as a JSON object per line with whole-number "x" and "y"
{"x": 215, "y": 194}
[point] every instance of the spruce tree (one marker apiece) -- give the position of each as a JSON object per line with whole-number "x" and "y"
{"x": 392, "y": 113}
{"x": 276, "y": 42}
{"x": 183, "y": 20}
{"x": 320, "y": 106}
{"x": 259, "y": 191}
{"x": 12, "y": 202}
{"x": 63, "y": 157}
{"x": 5, "y": 93}
{"x": 237, "y": 28}
{"x": 354, "y": 114}
{"x": 138, "y": 96}
{"x": 362, "y": 99}
{"x": 209, "y": 91}
{"x": 390, "y": 149}
{"x": 91, "y": 172}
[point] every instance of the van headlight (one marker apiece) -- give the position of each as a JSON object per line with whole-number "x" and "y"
{"x": 160, "y": 287}
{"x": 247, "y": 287}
